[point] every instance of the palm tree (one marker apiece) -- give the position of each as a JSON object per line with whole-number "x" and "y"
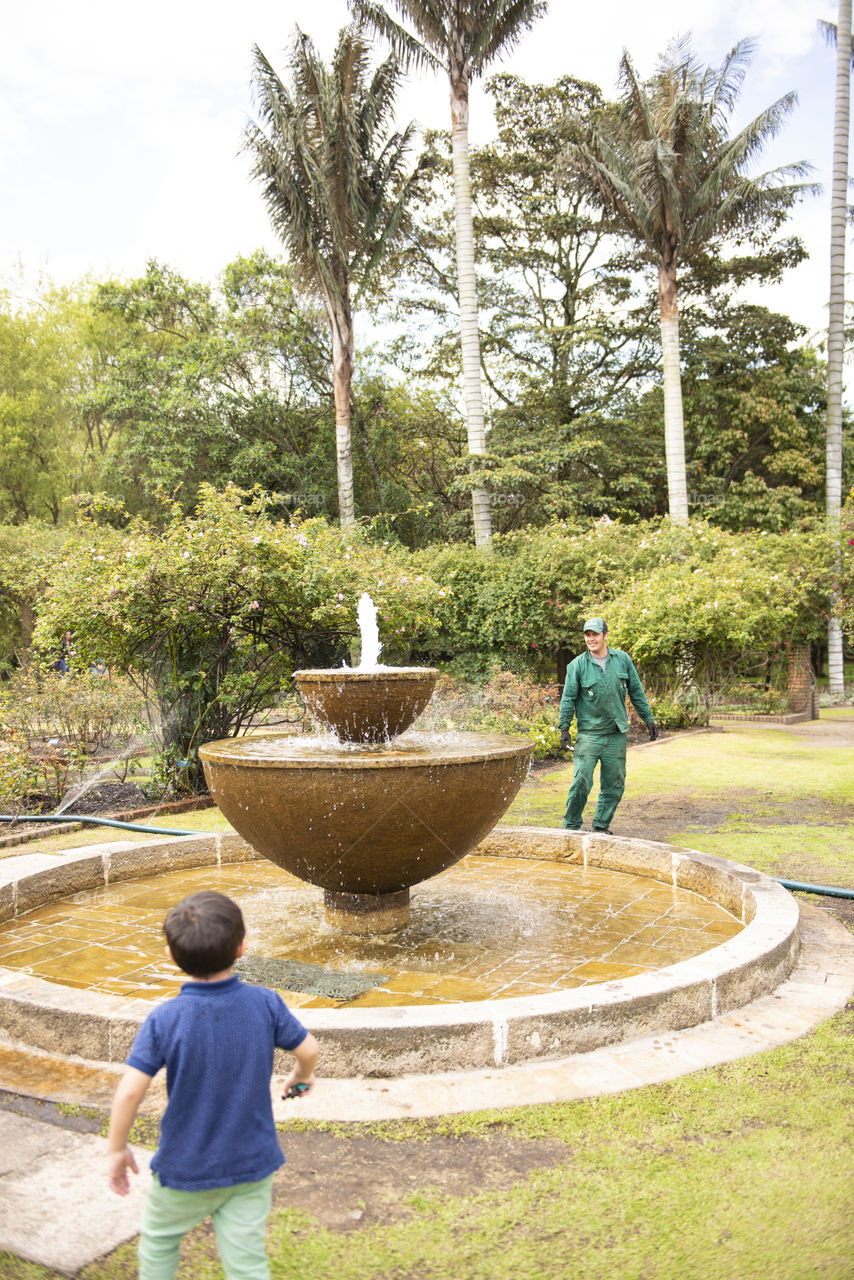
{"x": 334, "y": 181}
{"x": 662, "y": 163}
{"x": 460, "y": 37}
{"x": 836, "y": 311}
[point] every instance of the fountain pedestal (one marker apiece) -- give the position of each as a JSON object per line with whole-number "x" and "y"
{"x": 366, "y": 912}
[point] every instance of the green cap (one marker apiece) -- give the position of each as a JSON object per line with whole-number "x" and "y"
{"x": 595, "y": 624}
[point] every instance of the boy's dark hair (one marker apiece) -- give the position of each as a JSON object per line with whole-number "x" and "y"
{"x": 204, "y": 932}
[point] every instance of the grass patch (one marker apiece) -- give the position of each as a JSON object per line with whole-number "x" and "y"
{"x": 742, "y": 1170}
{"x": 736, "y": 1171}
{"x": 821, "y": 854}
{"x": 781, "y": 763}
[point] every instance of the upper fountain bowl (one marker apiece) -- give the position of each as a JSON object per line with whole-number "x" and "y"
{"x": 367, "y": 705}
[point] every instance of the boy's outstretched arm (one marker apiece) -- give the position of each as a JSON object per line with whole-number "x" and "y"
{"x": 128, "y": 1096}
{"x": 306, "y": 1060}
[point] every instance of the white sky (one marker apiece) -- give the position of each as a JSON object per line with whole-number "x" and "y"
{"x": 120, "y": 124}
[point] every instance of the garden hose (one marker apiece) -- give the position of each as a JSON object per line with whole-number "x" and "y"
{"x": 829, "y": 891}
{"x": 96, "y": 822}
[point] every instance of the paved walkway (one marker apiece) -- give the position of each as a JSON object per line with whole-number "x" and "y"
{"x": 55, "y": 1207}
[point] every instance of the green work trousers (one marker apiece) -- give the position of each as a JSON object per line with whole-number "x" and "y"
{"x": 609, "y": 750}
{"x": 239, "y": 1216}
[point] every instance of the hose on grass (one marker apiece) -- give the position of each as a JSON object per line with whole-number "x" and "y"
{"x": 95, "y": 822}
{"x": 829, "y": 891}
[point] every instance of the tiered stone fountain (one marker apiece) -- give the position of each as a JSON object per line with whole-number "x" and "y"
{"x": 365, "y": 815}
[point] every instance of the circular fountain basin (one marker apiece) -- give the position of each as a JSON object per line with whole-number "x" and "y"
{"x": 360, "y": 820}
{"x": 367, "y": 706}
{"x": 425, "y": 1037}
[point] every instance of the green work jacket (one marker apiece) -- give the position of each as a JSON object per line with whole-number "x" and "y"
{"x": 598, "y": 698}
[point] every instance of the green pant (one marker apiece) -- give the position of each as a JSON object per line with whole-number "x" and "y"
{"x": 239, "y": 1216}
{"x": 610, "y": 750}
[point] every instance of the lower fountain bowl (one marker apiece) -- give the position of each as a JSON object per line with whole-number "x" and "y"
{"x": 360, "y": 820}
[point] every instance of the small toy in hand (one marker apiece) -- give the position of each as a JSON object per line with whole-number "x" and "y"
{"x": 296, "y": 1090}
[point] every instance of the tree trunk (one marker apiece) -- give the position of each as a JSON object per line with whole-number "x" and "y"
{"x": 341, "y": 324}
{"x": 674, "y": 425}
{"x": 836, "y": 317}
{"x": 466, "y": 283}
{"x": 27, "y": 624}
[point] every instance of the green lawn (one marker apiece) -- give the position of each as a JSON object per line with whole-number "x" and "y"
{"x": 739, "y": 1172}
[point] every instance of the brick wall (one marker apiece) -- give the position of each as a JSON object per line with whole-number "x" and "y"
{"x": 800, "y": 684}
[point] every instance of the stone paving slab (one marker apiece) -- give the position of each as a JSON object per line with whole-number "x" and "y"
{"x": 55, "y": 1206}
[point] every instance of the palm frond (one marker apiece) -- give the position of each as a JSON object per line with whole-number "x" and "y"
{"x": 499, "y": 28}
{"x": 457, "y": 35}
{"x": 830, "y": 33}
{"x": 663, "y": 161}
{"x": 427, "y": 50}
{"x": 720, "y": 89}
{"x": 332, "y": 173}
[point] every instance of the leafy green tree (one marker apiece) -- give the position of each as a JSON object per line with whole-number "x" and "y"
{"x": 568, "y": 332}
{"x": 461, "y": 38}
{"x": 722, "y": 606}
{"x": 664, "y": 165}
{"x": 409, "y": 450}
{"x": 335, "y": 181}
{"x": 45, "y": 354}
{"x": 755, "y": 420}
{"x": 28, "y": 553}
{"x": 210, "y": 384}
{"x": 844, "y": 604}
{"x": 553, "y": 280}
{"x": 210, "y": 613}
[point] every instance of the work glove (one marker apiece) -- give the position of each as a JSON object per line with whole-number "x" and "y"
{"x": 564, "y": 739}
{"x": 653, "y": 730}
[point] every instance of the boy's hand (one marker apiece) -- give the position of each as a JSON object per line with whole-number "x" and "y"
{"x": 120, "y": 1163}
{"x": 297, "y": 1078}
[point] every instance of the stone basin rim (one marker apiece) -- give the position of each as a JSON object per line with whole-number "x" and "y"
{"x": 398, "y": 1040}
{"x": 467, "y": 748}
{"x": 335, "y": 675}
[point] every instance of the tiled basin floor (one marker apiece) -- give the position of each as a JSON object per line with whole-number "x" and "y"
{"x": 487, "y": 927}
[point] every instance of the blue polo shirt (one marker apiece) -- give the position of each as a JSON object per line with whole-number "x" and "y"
{"x": 216, "y": 1041}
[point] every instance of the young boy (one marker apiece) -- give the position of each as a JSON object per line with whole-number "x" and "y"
{"x": 218, "y": 1146}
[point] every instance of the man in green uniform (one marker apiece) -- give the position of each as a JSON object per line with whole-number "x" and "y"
{"x": 595, "y": 692}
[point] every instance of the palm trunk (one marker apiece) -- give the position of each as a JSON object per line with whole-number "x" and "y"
{"x": 341, "y": 324}
{"x": 470, "y": 338}
{"x": 674, "y": 424}
{"x": 836, "y": 318}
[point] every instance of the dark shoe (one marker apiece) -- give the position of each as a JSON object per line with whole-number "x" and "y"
{"x": 574, "y": 829}
{"x": 604, "y": 831}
